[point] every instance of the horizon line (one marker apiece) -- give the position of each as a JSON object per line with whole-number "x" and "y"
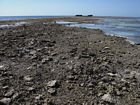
{"x": 68, "y": 15}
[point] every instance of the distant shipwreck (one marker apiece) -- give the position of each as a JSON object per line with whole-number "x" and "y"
{"x": 83, "y": 15}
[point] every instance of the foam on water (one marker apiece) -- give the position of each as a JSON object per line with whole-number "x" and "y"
{"x": 125, "y": 27}
{"x": 13, "y": 25}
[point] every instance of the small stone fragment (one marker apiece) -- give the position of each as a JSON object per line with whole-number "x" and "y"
{"x": 52, "y": 83}
{"x": 28, "y": 78}
{"x": 107, "y": 98}
{"x": 52, "y": 91}
{"x": 16, "y": 95}
{"x": 106, "y": 48}
{"x": 33, "y": 52}
{"x": 30, "y": 88}
{"x": 10, "y": 93}
{"x": 5, "y": 101}
{"x": 112, "y": 75}
{"x": 38, "y": 97}
{"x": 45, "y": 60}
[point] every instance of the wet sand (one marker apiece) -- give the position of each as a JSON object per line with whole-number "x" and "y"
{"x": 49, "y": 64}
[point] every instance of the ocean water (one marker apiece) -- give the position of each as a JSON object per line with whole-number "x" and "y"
{"x": 124, "y": 27}
{"x": 3, "y": 18}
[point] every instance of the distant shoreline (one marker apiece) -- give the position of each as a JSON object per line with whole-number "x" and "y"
{"x": 16, "y": 18}
{"x": 80, "y": 20}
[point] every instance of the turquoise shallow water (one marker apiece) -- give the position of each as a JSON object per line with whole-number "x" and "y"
{"x": 124, "y": 27}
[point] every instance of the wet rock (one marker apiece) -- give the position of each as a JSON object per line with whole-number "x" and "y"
{"x": 52, "y": 91}
{"x": 52, "y": 83}
{"x": 5, "y": 101}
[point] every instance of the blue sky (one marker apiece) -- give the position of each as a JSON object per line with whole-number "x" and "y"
{"x": 70, "y": 7}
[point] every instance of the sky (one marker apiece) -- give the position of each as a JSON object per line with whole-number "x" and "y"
{"x": 70, "y": 7}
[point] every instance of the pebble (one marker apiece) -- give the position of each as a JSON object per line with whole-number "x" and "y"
{"x": 112, "y": 75}
{"x": 38, "y": 97}
{"x": 107, "y": 98}
{"x": 52, "y": 91}
{"x": 33, "y": 52}
{"x": 52, "y": 83}
{"x": 1, "y": 67}
{"x": 16, "y": 95}
{"x": 106, "y": 48}
{"x": 5, "y": 101}
{"x": 28, "y": 78}
{"x": 5, "y": 87}
{"x": 10, "y": 93}
{"x": 30, "y": 88}
{"x": 45, "y": 60}
{"x": 70, "y": 77}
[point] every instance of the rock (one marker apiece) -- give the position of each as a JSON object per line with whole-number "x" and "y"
{"x": 5, "y": 101}
{"x": 31, "y": 89}
{"x": 34, "y": 57}
{"x": 104, "y": 58}
{"x": 107, "y": 98}
{"x": 70, "y": 67}
{"x": 135, "y": 74}
{"x": 70, "y": 77}
{"x": 52, "y": 91}
{"x": 82, "y": 84}
{"x": 33, "y": 52}
{"x": 39, "y": 97}
{"x": 106, "y": 48}
{"x": 10, "y": 93}
{"x": 118, "y": 93}
{"x": 104, "y": 64}
{"x": 5, "y": 87}
{"x": 47, "y": 59}
{"x": 16, "y": 95}
{"x": 53, "y": 54}
{"x": 28, "y": 78}
{"x": 52, "y": 83}
{"x": 3, "y": 67}
{"x": 90, "y": 85}
{"x": 112, "y": 75}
